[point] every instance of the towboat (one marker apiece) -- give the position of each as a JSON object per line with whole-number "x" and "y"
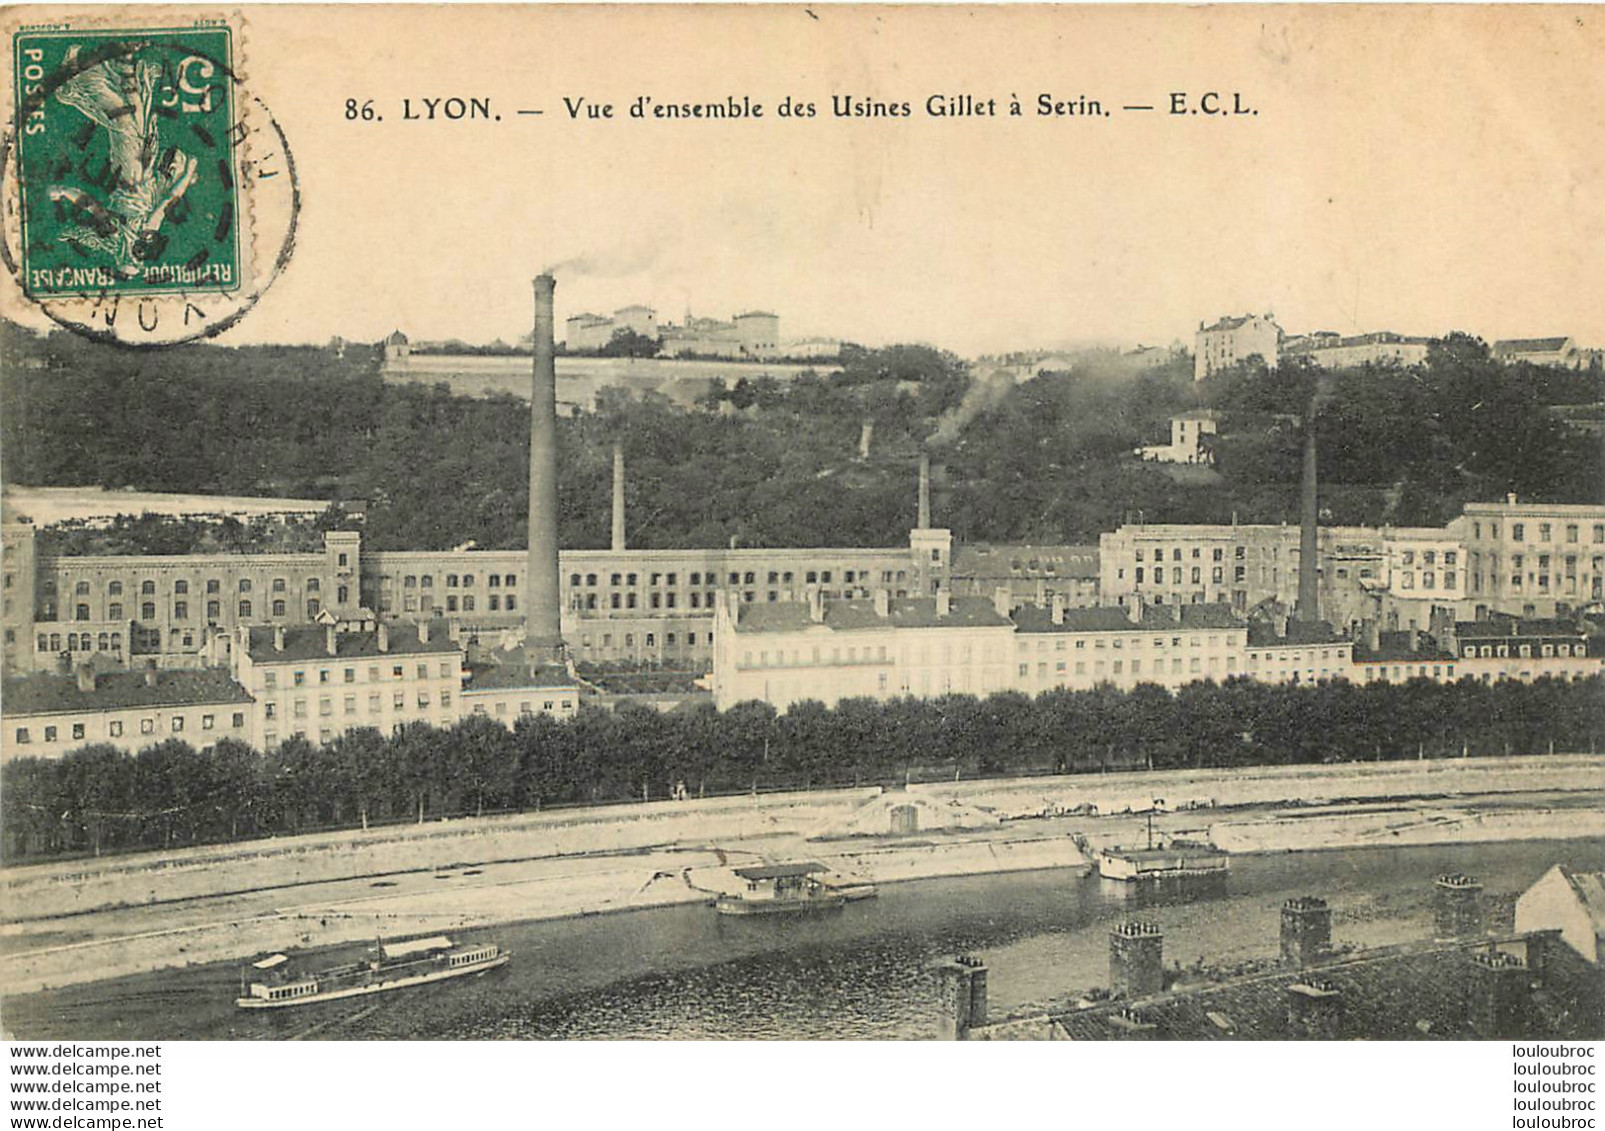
{"x": 782, "y": 889}
{"x": 1177, "y": 860}
{"x": 277, "y": 984}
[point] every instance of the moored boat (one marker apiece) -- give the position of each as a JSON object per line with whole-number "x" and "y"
{"x": 782, "y": 889}
{"x": 277, "y": 983}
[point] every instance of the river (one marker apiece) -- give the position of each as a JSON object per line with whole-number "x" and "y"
{"x": 862, "y": 972}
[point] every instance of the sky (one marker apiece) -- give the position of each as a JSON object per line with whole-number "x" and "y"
{"x": 1418, "y": 169}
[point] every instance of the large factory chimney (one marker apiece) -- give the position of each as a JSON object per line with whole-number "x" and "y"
{"x": 1309, "y": 547}
{"x": 618, "y": 497}
{"x": 543, "y": 631}
{"x": 925, "y": 492}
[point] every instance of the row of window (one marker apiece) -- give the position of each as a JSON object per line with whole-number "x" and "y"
{"x": 1430, "y": 557}
{"x": 177, "y": 724}
{"x": 453, "y": 581}
{"x": 651, "y": 639}
{"x": 1546, "y": 531}
{"x": 299, "y": 676}
{"x": 214, "y": 610}
{"x": 736, "y": 577}
{"x": 495, "y": 603}
{"x": 398, "y": 702}
{"x": 1524, "y": 651}
{"x": 181, "y": 587}
{"x": 81, "y": 642}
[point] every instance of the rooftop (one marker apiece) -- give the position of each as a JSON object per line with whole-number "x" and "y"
{"x": 47, "y": 694}
{"x": 1590, "y": 889}
{"x": 510, "y": 676}
{"x": 1401, "y": 994}
{"x": 1396, "y": 647}
{"x": 1504, "y": 628}
{"x": 1155, "y": 618}
{"x": 1531, "y": 345}
{"x": 310, "y": 642}
{"x": 1017, "y": 561}
{"x": 859, "y": 613}
{"x": 779, "y": 871}
{"x": 1262, "y": 635}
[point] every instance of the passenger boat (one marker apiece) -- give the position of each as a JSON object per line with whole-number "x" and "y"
{"x": 390, "y": 966}
{"x": 782, "y": 889}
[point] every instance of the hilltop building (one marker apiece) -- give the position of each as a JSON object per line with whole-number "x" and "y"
{"x": 1382, "y": 347}
{"x": 1231, "y": 340}
{"x": 1562, "y": 352}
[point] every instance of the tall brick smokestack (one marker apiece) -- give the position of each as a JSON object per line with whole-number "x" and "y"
{"x": 618, "y": 497}
{"x": 925, "y": 492}
{"x": 1309, "y": 593}
{"x": 543, "y": 631}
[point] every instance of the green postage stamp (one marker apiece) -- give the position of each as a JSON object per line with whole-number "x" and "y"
{"x": 127, "y": 162}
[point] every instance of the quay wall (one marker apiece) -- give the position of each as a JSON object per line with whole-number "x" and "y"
{"x": 1270, "y": 785}
{"x": 47, "y": 890}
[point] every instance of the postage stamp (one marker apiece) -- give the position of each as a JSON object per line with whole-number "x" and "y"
{"x": 126, "y": 161}
{"x": 149, "y": 198}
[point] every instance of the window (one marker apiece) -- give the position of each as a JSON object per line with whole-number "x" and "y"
{"x": 77, "y": 730}
{"x": 496, "y": 601}
{"x": 147, "y": 611}
{"x": 245, "y": 585}
{"x": 147, "y": 588}
{"x": 82, "y": 612}
{"x": 115, "y": 589}
{"x": 115, "y": 729}
{"x": 427, "y": 581}
{"x": 510, "y": 602}
{"x": 181, "y": 610}
{"x": 468, "y": 604}
{"x": 178, "y": 723}
{"x": 1518, "y": 531}
{"x": 23, "y": 735}
{"x": 494, "y": 581}
{"x": 214, "y": 610}
{"x": 147, "y": 726}
{"x": 468, "y": 580}
{"x": 278, "y": 608}
{"x": 573, "y": 580}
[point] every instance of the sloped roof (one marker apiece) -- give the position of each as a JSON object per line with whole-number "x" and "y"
{"x": 1262, "y": 635}
{"x": 859, "y": 613}
{"x": 50, "y": 694}
{"x": 1510, "y": 628}
{"x": 1034, "y": 618}
{"x": 310, "y": 642}
{"x": 1590, "y": 889}
{"x": 511, "y": 676}
{"x": 979, "y": 559}
{"x": 755, "y": 314}
{"x": 1530, "y": 345}
{"x": 396, "y": 338}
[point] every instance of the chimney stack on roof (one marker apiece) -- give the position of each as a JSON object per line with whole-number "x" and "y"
{"x": 278, "y": 638}
{"x": 330, "y": 644}
{"x": 944, "y": 603}
{"x": 382, "y": 637}
{"x": 1134, "y": 608}
{"x": 883, "y": 603}
{"x": 1003, "y": 600}
{"x": 1056, "y": 608}
{"x": 423, "y": 632}
{"x": 816, "y": 605}
{"x": 864, "y": 435}
{"x": 86, "y": 677}
{"x": 150, "y": 675}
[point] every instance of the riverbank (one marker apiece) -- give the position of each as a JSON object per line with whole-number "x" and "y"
{"x": 459, "y": 875}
